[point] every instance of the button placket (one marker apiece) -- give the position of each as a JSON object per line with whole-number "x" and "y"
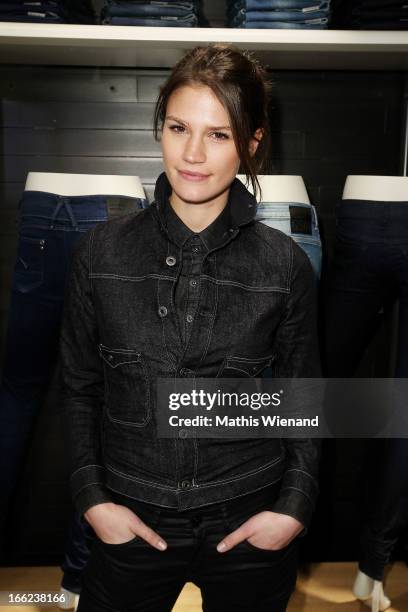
{"x": 162, "y": 311}
{"x": 170, "y": 335}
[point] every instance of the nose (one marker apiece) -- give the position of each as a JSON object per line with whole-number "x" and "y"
{"x": 194, "y": 151}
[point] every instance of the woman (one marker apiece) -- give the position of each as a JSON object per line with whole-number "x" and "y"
{"x": 190, "y": 287}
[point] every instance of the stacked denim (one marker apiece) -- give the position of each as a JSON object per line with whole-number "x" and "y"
{"x": 32, "y": 11}
{"x": 79, "y": 11}
{"x": 48, "y": 11}
{"x": 371, "y": 14}
{"x": 152, "y": 13}
{"x": 275, "y": 14}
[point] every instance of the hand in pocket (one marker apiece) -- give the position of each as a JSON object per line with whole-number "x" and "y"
{"x": 116, "y": 524}
{"x": 266, "y": 530}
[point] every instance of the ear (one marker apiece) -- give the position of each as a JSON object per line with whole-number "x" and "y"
{"x": 255, "y": 140}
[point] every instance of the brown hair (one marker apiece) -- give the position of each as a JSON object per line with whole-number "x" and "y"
{"x": 241, "y": 85}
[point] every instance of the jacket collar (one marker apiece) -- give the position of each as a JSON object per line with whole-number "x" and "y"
{"x": 239, "y": 210}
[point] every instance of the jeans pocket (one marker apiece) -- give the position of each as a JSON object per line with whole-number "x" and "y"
{"x": 148, "y": 513}
{"x": 127, "y": 386}
{"x": 120, "y": 546}
{"x": 240, "y": 510}
{"x": 29, "y": 268}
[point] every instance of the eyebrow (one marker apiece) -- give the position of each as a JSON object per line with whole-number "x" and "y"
{"x": 211, "y": 127}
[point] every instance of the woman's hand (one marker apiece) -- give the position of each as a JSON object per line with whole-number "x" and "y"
{"x": 116, "y": 524}
{"x": 266, "y": 530}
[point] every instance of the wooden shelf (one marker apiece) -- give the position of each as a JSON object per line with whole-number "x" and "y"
{"x": 100, "y": 45}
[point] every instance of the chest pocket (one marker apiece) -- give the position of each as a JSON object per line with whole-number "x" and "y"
{"x": 126, "y": 385}
{"x": 241, "y": 367}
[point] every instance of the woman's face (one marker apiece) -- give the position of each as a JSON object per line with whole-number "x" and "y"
{"x": 197, "y": 138}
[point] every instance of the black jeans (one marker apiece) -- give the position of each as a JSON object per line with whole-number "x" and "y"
{"x": 368, "y": 273}
{"x": 135, "y": 577}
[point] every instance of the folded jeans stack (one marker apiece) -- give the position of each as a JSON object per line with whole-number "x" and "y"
{"x": 152, "y": 13}
{"x": 32, "y": 11}
{"x": 79, "y": 11}
{"x": 275, "y": 14}
{"x": 48, "y": 11}
{"x": 371, "y": 14}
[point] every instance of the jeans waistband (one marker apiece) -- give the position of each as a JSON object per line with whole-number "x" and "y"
{"x": 372, "y": 221}
{"x": 267, "y": 495}
{"x": 286, "y": 210}
{"x": 46, "y": 209}
{"x": 372, "y": 209}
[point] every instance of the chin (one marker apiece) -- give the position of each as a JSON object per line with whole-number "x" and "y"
{"x": 194, "y": 195}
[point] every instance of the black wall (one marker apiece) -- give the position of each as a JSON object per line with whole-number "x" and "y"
{"x": 325, "y": 126}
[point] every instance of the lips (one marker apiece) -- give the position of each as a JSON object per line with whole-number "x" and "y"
{"x": 192, "y": 176}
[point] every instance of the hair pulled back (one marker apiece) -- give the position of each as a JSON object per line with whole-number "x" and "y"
{"x": 241, "y": 85}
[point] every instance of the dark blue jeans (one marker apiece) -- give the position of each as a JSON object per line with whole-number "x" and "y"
{"x": 176, "y": 22}
{"x": 147, "y": 9}
{"x": 43, "y": 11}
{"x": 319, "y": 24}
{"x": 36, "y": 18}
{"x": 297, "y": 16}
{"x": 136, "y": 577}
{"x": 49, "y": 226}
{"x": 368, "y": 273}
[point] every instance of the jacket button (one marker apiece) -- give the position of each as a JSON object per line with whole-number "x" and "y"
{"x": 170, "y": 260}
{"x": 183, "y": 433}
{"x": 162, "y": 311}
{"x": 189, "y": 318}
{"x": 185, "y": 484}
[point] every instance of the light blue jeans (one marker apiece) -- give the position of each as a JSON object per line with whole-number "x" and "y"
{"x": 268, "y": 5}
{"x": 318, "y": 24}
{"x": 148, "y": 9}
{"x": 176, "y": 22}
{"x": 299, "y": 221}
{"x": 243, "y": 15}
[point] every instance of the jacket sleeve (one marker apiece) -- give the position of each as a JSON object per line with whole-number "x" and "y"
{"x": 297, "y": 350}
{"x": 82, "y": 382}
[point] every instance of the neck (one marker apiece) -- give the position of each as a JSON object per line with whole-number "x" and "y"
{"x": 198, "y": 215}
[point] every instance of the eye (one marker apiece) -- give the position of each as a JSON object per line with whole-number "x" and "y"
{"x": 176, "y": 128}
{"x": 221, "y": 136}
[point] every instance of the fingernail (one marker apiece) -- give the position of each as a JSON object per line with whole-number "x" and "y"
{"x": 162, "y": 545}
{"x": 221, "y": 547}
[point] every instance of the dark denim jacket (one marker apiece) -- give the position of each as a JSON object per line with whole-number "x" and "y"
{"x": 256, "y": 310}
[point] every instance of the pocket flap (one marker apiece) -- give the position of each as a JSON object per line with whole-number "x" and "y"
{"x": 248, "y": 366}
{"x": 116, "y": 357}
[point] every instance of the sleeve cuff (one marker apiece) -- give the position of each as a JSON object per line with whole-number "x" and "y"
{"x": 87, "y": 487}
{"x": 89, "y": 496}
{"x": 294, "y": 503}
{"x": 298, "y": 496}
